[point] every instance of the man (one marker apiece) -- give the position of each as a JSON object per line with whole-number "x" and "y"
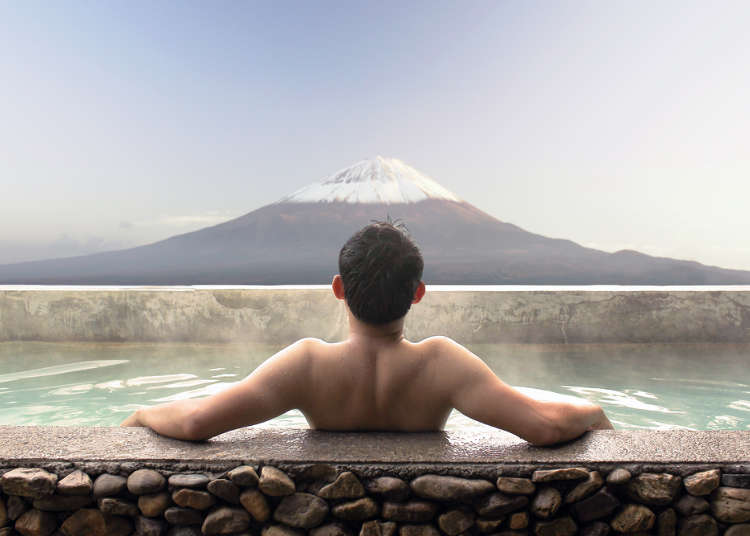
{"x": 375, "y": 379}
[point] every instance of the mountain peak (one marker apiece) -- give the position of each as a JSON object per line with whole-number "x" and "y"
{"x": 376, "y": 180}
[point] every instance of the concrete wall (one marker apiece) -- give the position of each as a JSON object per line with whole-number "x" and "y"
{"x": 110, "y": 481}
{"x": 468, "y": 314}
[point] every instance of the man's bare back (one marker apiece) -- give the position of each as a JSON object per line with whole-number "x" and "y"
{"x": 376, "y": 385}
{"x": 375, "y": 379}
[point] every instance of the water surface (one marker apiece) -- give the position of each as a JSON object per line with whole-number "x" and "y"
{"x": 654, "y": 386}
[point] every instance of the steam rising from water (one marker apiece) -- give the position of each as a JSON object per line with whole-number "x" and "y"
{"x": 640, "y": 386}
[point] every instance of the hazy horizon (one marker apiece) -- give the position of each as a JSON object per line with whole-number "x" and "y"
{"x": 615, "y": 125}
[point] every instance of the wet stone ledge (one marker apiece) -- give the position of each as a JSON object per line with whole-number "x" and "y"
{"x": 284, "y": 484}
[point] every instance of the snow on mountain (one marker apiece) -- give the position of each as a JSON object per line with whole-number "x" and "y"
{"x": 378, "y": 180}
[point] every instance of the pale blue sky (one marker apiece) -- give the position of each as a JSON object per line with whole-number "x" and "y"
{"x": 614, "y": 124}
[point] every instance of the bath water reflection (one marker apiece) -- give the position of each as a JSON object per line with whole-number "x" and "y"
{"x": 640, "y": 386}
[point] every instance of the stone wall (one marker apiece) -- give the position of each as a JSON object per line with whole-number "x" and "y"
{"x": 467, "y": 314}
{"x": 265, "y": 482}
{"x": 321, "y": 500}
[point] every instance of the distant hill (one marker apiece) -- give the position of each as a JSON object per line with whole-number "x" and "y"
{"x": 296, "y": 241}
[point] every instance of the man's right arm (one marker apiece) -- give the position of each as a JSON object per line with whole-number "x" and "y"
{"x": 271, "y": 389}
{"x": 477, "y": 392}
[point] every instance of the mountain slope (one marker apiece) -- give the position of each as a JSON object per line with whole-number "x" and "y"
{"x": 297, "y": 239}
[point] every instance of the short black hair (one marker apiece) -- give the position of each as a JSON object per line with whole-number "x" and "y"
{"x": 381, "y": 268}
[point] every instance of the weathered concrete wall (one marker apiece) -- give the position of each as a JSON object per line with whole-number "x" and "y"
{"x": 109, "y": 481}
{"x": 468, "y": 314}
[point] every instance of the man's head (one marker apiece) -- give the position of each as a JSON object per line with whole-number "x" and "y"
{"x": 381, "y": 272}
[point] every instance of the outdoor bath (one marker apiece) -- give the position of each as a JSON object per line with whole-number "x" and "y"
{"x": 654, "y": 357}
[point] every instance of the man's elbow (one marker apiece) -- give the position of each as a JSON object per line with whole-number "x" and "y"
{"x": 562, "y": 422}
{"x": 193, "y": 427}
{"x": 545, "y": 435}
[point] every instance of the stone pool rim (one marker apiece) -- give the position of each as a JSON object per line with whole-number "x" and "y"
{"x": 33, "y": 444}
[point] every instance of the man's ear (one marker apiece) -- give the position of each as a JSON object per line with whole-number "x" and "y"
{"x": 419, "y": 293}
{"x": 337, "y": 285}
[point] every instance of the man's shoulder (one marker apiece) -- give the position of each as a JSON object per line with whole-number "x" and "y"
{"x": 439, "y": 344}
{"x": 312, "y": 346}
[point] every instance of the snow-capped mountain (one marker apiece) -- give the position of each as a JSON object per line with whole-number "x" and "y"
{"x": 297, "y": 239}
{"x": 378, "y": 180}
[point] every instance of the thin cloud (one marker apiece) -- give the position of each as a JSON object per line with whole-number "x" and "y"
{"x": 204, "y": 219}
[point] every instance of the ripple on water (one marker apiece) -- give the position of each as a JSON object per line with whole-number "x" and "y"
{"x": 623, "y": 399}
{"x": 60, "y": 369}
{"x": 164, "y": 378}
{"x": 742, "y": 405}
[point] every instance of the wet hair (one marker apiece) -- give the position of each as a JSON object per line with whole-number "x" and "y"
{"x": 381, "y": 268}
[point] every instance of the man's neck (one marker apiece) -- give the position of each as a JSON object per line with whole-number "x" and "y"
{"x": 390, "y": 332}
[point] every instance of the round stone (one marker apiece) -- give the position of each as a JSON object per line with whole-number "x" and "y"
{"x": 599, "y": 505}
{"x": 654, "y": 488}
{"x": 546, "y": 503}
{"x": 275, "y": 482}
{"x": 146, "y": 526}
{"x": 378, "y": 528}
{"x": 731, "y": 505}
{"x": 699, "y": 525}
{"x": 585, "y": 488}
{"x": 107, "y": 485}
{"x": 551, "y": 475}
{"x": 153, "y": 505}
{"x": 244, "y": 476}
{"x": 702, "y": 483}
{"x": 33, "y": 483}
{"x": 389, "y": 488}
{"x": 225, "y": 489}
{"x": 117, "y": 507}
{"x": 301, "y": 510}
{"x": 619, "y": 476}
{"x": 88, "y": 521}
{"x": 689, "y": 505}
{"x": 454, "y": 522}
{"x": 16, "y": 507}
{"x": 346, "y": 486}
{"x": 487, "y": 526}
{"x": 256, "y": 504}
{"x": 225, "y": 520}
{"x": 36, "y": 523}
{"x": 193, "y": 481}
{"x": 193, "y": 498}
{"x": 515, "y": 486}
{"x": 411, "y": 512}
{"x": 496, "y": 505}
{"x": 519, "y": 520}
{"x": 450, "y": 488}
{"x": 359, "y": 510}
{"x": 633, "y": 518}
{"x": 666, "y": 522}
{"x": 280, "y": 530}
{"x": 76, "y": 483}
{"x": 742, "y": 529}
{"x": 145, "y": 481}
